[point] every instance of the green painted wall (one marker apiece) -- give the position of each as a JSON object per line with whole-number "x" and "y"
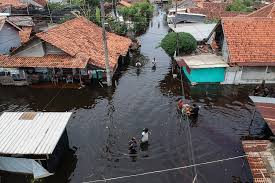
{"x": 205, "y": 75}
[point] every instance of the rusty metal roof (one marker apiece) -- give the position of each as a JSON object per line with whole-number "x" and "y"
{"x": 266, "y": 107}
{"x": 260, "y": 156}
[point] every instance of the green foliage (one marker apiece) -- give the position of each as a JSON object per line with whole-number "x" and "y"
{"x": 97, "y": 15}
{"x": 65, "y": 18}
{"x": 241, "y": 6}
{"x": 117, "y": 27}
{"x": 139, "y": 14}
{"x": 186, "y": 43}
{"x": 55, "y": 6}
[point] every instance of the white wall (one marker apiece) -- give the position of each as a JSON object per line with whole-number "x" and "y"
{"x": 249, "y": 75}
{"x": 33, "y": 49}
{"x": 9, "y": 38}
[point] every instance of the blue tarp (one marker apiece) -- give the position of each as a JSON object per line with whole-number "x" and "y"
{"x": 23, "y": 165}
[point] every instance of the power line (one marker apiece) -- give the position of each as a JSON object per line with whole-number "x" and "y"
{"x": 167, "y": 170}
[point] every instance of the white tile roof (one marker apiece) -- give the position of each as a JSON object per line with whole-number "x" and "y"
{"x": 37, "y": 134}
{"x": 204, "y": 61}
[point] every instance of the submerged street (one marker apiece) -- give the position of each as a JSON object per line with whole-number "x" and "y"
{"x": 104, "y": 121}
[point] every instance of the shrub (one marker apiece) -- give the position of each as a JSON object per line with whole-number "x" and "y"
{"x": 186, "y": 43}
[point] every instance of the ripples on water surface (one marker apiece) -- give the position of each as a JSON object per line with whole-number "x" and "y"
{"x": 103, "y": 121}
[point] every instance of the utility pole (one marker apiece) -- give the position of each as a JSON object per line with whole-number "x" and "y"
{"x": 109, "y": 82}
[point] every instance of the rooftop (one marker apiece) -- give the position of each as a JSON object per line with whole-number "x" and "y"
{"x": 200, "y": 31}
{"x": 24, "y": 21}
{"x": 82, "y": 36}
{"x": 202, "y": 61}
{"x": 125, "y": 3}
{"x": 266, "y": 107}
{"x": 214, "y": 10}
{"x": 48, "y": 61}
{"x": 250, "y": 40}
{"x": 31, "y": 133}
{"x": 260, "y": 156}
{"x": 14, "y": 3}
{"x": 266, "y": 11}
{"x": 4, "y": 20}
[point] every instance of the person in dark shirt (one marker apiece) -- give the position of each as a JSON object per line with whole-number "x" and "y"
{"x": 195, "y": 111}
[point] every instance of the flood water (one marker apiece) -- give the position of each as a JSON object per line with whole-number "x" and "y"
{"x": 103, "y": 121}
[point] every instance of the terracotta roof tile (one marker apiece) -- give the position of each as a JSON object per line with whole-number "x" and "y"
{"x": 49, "y": 61}
{"x": 214, "y": 10}
{"x": 266, "y": 11}
{"x": 250, "y": 40}
{"x": 13, "y": 3}
{"x": 80, "y": 35}
{"x": 25, "y": 34}
{"x": 41, "y": 2}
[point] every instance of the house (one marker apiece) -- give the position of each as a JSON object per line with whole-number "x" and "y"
{"x": 260, "y": 153}
{"x": 33, "y": 142}
{"x": 247, "y": 44}
{"x": 260, "y": 157}
{"x": 72, "y": 51}
{"x": 13, "y": 39}
{"x": 25, "y": 23}
{"x": 7, "y": 5}
{"x": 202, "y": 68}
{"x": 213, "y": 10}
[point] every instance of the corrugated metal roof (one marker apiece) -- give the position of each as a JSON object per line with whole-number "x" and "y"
{"x": 200, "y": 31}
{"x": 37, "y": 136}
{"x": 203, "y": 61}
{"x": 266, "y": 107}
{"x": 260, "y": 156}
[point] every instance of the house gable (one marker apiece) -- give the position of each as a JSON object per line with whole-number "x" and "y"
{"x": 8, "y": 42}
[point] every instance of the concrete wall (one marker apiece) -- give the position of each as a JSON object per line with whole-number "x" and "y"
{"x": 33, "y": 49}
{"x": 249, "y": 75}
{"x": 224, "y": 50}
{"x": 205, "y": 75}
{"x": 9, "y": 38}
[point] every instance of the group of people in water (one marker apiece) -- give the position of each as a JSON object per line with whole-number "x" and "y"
{"x": 191, "y": 111}
{"x": 154, "y": 64}
{"x": 144, "y": 142}
{"x": 261, "y": 90}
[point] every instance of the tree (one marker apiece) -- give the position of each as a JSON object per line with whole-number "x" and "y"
{"x": 139, "y": 14}
{"x": 186, "y": 43}
{"x": 241, "y": 6}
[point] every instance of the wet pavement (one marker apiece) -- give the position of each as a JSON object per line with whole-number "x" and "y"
{"x": 104, "y": 120}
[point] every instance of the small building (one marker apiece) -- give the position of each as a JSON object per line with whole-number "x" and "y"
{"x": 25, "y": 23}
{"x": 203, "y": 68}
{"x": 266, "y": 107}
{"x": 33, "y": 142}
{"x": 6, "y": 6}
{"x": 200, "y": 31}
{"x": 9, "y": 35}
{"x": 260, "y": 157}
{"x": 72, "y": 51}
{"x": 247, "y": 44}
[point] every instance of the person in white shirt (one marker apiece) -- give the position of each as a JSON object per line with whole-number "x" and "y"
{"x": 145, "y": 135}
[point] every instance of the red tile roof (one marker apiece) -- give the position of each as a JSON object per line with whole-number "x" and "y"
{"x": 49, "y": 61}
{"x": 250, "y": 40}
{"x": 14, "y": 3}
{"x": 214, "y": 10}
{"x": 260, "y": 159}
{"x": 25, "y": 34}
{"x": 82, "y": 36}
{"x": 266, "y": 11}
{"x": 41, "y": 2}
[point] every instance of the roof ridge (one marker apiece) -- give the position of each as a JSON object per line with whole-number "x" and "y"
{"x": 262, "y": 8}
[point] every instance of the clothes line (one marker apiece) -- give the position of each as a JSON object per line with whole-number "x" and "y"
{"x": 166, "y": 170}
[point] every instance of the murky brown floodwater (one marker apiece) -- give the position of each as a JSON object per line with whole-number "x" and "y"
{"x": 103, "y": 121}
